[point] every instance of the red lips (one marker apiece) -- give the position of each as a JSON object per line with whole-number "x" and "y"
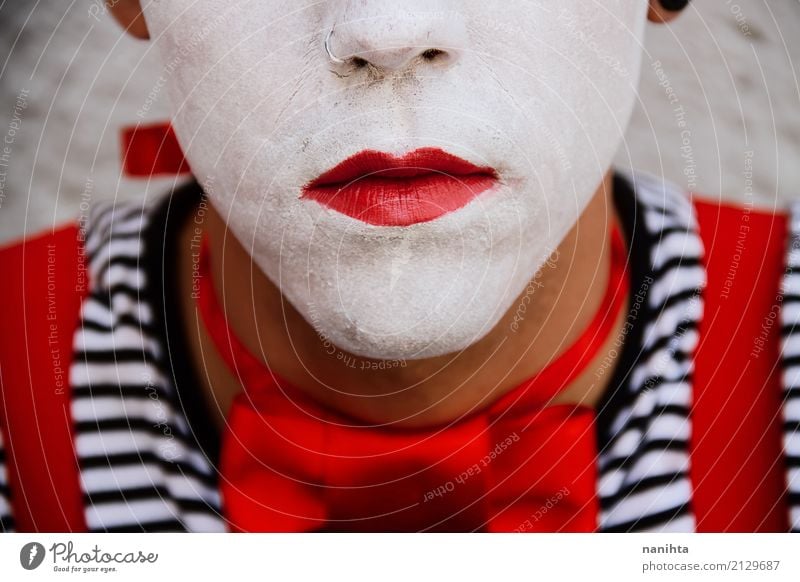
{"x": 386, "y": 190}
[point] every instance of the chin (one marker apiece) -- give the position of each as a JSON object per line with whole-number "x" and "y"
{"x": 409, "y": 346}
{"x": 407, "y": 330}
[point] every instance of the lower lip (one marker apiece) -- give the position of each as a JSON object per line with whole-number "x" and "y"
{"x": 402, "y": 196}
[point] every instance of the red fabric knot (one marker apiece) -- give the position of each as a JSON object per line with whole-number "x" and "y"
{"x": 152, "y": 150}
{"x": 291, "y": 465}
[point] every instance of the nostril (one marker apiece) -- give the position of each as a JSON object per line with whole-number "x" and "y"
{"x": 376, "y": 38}
{"x": 432, "y": 54}
{"x": 429, "y": 55}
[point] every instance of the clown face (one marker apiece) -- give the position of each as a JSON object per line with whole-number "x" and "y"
{"x": 400, "y": 170}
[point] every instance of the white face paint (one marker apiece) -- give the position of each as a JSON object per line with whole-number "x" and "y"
{"x": 539, "y": 91}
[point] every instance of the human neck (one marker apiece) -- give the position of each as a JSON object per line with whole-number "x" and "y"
{"x": 558, "y": 305}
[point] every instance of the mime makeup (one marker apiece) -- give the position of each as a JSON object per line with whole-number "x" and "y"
{"x": 403, "y": 193}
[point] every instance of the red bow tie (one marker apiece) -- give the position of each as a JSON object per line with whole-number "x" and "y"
{"x": 290, "y": 465}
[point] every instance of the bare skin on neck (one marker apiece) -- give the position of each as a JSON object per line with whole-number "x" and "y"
{"x": 566, "y": 294}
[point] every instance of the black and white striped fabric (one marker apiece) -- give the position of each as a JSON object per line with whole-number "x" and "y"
{"x": 141, "y": 470}
{"x": 644, "y": 460}
{"x": 790, "y": 359}
{"x": 6, "y": 519}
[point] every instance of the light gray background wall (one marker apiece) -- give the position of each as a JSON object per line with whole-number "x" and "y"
{"x": 70, "y": 79}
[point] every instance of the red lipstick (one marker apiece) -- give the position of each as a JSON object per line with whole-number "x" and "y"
{"x": 386, "y": 190}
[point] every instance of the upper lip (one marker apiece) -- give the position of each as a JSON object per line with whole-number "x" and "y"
{"x": 390, "y": 190}
{"x": 384, "y": 165}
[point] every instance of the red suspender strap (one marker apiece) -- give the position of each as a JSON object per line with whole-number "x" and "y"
{"x": 44, "y": 284}
{"x": 737, "y": 467}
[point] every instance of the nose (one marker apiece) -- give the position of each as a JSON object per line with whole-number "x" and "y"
{"x": 395, "y": 42}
